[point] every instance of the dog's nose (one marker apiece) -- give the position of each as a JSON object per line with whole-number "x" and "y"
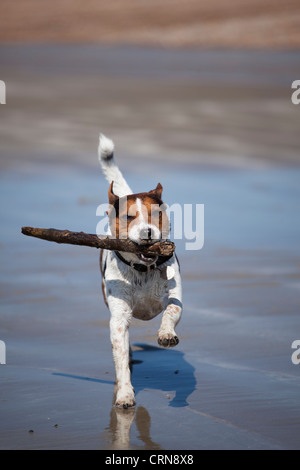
{"x": 147, "y": 234}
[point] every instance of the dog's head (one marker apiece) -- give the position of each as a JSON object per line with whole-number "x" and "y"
{"x": 140, "y": 217}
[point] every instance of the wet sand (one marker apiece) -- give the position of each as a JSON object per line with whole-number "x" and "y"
{"x": 214, "y": 128}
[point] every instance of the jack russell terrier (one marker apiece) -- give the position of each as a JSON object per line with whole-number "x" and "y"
{"x": 135, "y": 285}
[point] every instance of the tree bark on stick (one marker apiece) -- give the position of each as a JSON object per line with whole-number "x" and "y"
{"x": 164, "y": 248}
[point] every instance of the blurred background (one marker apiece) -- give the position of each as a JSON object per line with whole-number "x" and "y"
{"x": 196, "y": 95}
{"x": 207, "y": 82}
{"x": 234, "y": 23}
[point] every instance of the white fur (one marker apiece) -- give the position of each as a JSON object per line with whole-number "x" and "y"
{"x": 109, "y": 167}
{"x": 106, "y": 146}
{"x": 143, "y": 295}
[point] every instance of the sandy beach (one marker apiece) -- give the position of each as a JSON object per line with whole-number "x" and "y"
{"x": 215, "y": 127}
{"x": 271, "y": 24}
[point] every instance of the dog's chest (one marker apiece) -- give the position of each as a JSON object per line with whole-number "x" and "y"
{"x": 149, "y": 295}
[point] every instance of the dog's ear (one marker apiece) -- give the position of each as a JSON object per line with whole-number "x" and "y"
{"x": 112, "y": 198}
{"x": 157, "y": 191}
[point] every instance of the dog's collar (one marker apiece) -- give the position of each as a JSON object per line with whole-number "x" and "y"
{"x": 142, "y": 267}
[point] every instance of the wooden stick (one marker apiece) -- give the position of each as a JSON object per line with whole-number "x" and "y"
{"x": 164, "y": 248}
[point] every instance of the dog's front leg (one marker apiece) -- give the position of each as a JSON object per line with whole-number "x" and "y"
{"x": 166, "y": 334}
{"x": 119, "y": 335}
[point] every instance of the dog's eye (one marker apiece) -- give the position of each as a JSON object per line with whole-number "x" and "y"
{"x": 128, "y": 217}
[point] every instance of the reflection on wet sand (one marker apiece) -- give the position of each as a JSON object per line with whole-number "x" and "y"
{"x": 120, "y": 425}
{"x": 162, "y": 369}
{"x": 152, "y": 368}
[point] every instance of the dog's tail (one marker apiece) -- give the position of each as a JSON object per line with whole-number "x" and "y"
{"x": 109, "y": 167}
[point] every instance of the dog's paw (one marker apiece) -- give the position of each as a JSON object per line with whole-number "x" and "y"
{"x": 167, "y": 340}
{"x": 125, "y": 398}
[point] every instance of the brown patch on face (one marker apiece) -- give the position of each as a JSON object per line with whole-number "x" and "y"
{"x": 124, "y": 212}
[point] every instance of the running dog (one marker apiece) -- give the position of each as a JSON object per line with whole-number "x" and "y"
{"x": 135, "y": 285}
